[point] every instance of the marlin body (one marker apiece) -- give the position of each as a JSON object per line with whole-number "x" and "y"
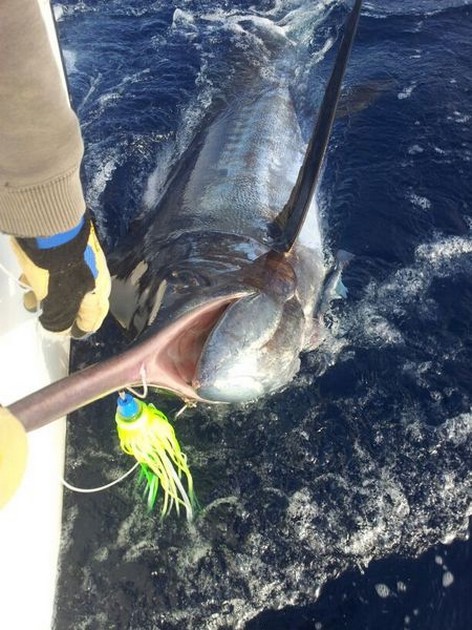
{"x": 237, "y": 220}
{"x": 223, "y": 283}
{"x": 211, "y": 234}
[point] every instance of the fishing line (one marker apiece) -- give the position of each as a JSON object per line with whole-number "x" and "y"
{"x": 143, "y": 395}
{"x": 100, "y": 488}
{"x": 180, "y": 411}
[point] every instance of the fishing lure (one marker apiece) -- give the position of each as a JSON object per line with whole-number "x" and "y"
{"x": 146, "y": 434}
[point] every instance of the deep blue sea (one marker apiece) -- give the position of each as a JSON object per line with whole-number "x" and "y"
{"x": 342, "y": 502}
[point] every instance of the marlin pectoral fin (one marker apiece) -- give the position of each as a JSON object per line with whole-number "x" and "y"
{"x": 333, "y": 287}
{"x": 289, "y": 222}
{"x": 340, "y": 290}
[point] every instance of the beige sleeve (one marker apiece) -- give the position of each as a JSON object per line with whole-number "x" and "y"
{"x": 40, "y": 142}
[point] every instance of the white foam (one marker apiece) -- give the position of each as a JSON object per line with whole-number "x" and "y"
{"x": 102, "y": 174}
{"x": 382, "y": 590}
{"x": 447, "y": 579}
{"x": 406, "y": 92}
{"x": 70, "y": 60}
{"x": 58, "y": 11}
{"x": 421, "y": 202}
{"x": 405, "y": 290}
{"x": 460, "y": 117}
{"x": 182, "y": 19}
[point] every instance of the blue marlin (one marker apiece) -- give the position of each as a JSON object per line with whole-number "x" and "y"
{"x": 223, "y": 284}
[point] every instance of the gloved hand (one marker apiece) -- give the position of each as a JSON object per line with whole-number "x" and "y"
{"x": 13, "y": 454}
{"x": 68, "y": 276}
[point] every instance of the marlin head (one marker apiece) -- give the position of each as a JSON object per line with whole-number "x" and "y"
{"x": 246, "y": 326}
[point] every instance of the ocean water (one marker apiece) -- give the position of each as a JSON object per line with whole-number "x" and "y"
{"x": 343, "y": 501}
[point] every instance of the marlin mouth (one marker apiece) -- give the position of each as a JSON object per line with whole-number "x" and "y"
{"x": 168, "y": 358}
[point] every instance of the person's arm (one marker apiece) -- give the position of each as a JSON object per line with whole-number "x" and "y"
{"x": 41, "y": 200}
{"x": 40, "y": 142}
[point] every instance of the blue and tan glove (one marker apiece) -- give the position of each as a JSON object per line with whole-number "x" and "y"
{"x": 69, "y": 279}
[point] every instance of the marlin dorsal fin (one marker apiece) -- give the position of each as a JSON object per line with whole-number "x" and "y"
{"x": 290, "y": 220}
